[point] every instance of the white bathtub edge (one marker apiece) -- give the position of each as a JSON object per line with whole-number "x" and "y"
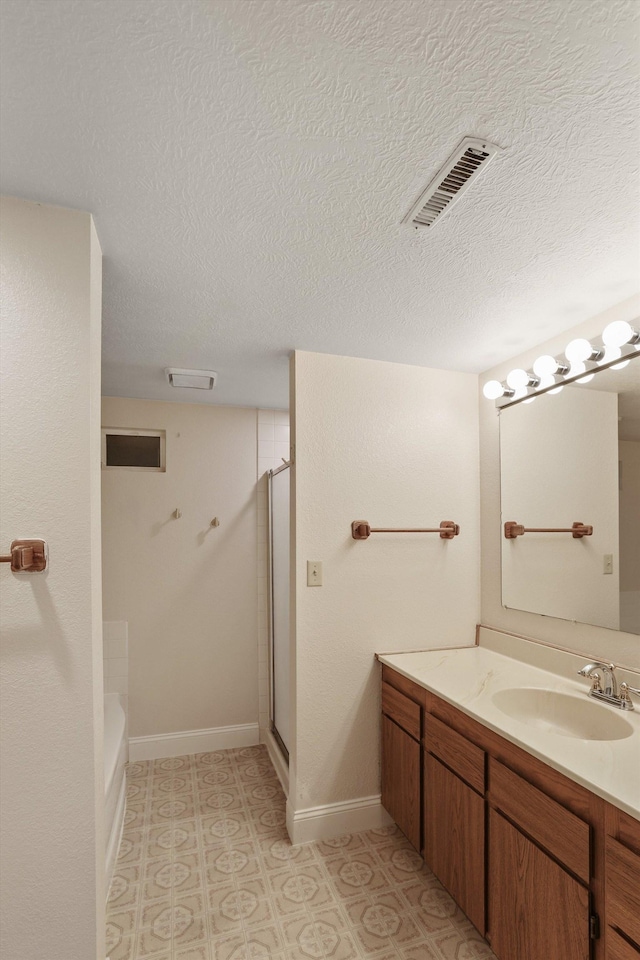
{"x": 115, "y": 835}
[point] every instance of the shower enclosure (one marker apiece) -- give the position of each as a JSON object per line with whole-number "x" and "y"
{"x": 279, "y": 481}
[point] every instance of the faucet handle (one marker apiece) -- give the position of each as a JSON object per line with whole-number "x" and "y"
{"x": 626, "y": 689}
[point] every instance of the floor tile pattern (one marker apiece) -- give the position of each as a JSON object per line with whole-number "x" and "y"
{"x": 206, "y": 872}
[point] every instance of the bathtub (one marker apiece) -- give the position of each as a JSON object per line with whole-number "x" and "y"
{"x": 115, "y": 757}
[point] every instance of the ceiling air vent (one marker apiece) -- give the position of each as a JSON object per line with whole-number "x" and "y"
{"x": 463, "y": 167}
{"x": 196, "y": 379}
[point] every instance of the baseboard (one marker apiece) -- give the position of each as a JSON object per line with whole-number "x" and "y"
{"x": 279, "y": 763}
{"x": 193, "y": 741}
{"x": 336, "y": 819}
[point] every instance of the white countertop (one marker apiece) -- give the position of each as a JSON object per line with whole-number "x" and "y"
{"x": 469, "y": 677}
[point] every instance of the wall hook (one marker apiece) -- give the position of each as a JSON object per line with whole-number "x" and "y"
{"x": 177, "y": 513}
{"x": 215, "y": 522}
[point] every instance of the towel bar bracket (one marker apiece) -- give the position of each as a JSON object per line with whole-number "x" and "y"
{"x": 27, "y": 556}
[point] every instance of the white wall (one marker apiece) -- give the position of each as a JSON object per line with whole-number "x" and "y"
{"x": 559, "y": 464}
{"x": 52, "y": 798}
{"x": 187, "y": 590}
{"x": 622, "y": 648}
{"x": 398, "y": 446}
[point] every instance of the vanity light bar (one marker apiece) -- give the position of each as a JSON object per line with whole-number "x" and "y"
{"x": 620, "y": 342}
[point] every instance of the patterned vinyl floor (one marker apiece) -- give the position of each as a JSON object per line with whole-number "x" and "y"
{"x": 206, "y": 872}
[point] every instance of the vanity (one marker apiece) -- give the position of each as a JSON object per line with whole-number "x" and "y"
{"x": 521, "y": 793}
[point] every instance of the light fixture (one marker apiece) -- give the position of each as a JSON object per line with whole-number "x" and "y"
{"x": 194, "y": 379}
{"x": 578, "y": 367}
{"x": 551, "y": 381}
{"x": 580, "y": 350}
{"x": 493, "y": 390}
{"x": 547, "y": 366}
{"x": 619, "y": 333}
{"x": 620, "y": 342}
{"x": 519, "y": 379}
{"x": 614, "y": 353}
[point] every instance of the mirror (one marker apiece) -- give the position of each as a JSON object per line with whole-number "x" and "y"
{"x": 566, "y": 458}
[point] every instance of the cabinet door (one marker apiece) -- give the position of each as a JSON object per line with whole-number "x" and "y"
{"x": 454, "y": 838}
{"x": 536, "y": 909}
{"x": 401, "y": 779}
{"x": 618, "y": 948}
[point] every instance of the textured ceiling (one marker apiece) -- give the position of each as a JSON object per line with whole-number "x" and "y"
{"x": 248, "y": 164}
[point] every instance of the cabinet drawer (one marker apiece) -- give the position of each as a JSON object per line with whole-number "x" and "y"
{"x": 622, "y": 885}
{"x": 565, "y": 836}
{"x": 458, "y": 753}
{"x": 404, "y": 711}
{"x": 619, "y": 949}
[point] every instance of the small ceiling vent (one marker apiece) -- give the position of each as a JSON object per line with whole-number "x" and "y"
{"x": 463, "y": 167}
{"x": 195, "y": 379}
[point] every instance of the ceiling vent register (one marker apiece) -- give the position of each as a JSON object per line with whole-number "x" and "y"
{"x": 194, "y": 379}
{"x": 463, "y": 167}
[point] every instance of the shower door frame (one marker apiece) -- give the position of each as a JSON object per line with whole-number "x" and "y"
{"x": 271, "y": 648}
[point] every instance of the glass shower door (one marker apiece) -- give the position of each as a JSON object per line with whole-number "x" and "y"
{"x": 279, "y": 593}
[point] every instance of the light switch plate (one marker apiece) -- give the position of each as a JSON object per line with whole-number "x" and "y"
{"x": 314, "y": 573}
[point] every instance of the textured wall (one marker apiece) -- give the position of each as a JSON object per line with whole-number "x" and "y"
{"x": 398, "y": 446}
{"x": 592, "y": 641}
{"x": 52, "y": 867}
{"x": 188, "y": 590}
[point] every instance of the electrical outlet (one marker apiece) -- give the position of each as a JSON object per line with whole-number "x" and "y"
{"x": 314, "y": 573}
{"x": 607, "y": 563}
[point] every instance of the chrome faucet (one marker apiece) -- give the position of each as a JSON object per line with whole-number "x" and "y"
{"x": 604, "y": 685}
{"x": 603, "y": 678}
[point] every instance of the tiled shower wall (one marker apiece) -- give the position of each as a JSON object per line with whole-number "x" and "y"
{"x": 273, "y": 448}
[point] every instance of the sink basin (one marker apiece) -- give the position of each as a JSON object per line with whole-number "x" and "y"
{"x": 562, "y": 714}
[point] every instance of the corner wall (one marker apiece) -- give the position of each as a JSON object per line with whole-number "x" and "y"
{"x": 398, "y": 446}
{"x": 593, "y": 642}
{"x": 51, "y": 728}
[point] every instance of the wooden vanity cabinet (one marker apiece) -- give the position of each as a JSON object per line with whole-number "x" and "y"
{"x": 622, "y": 885}
{"x": 542, "y": 867}
{"x": 402, "y": 714}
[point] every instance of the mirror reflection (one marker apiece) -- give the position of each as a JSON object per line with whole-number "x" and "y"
{"x": 568, "y": 458}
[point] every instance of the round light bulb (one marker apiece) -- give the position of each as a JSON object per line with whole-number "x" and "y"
{"x": 530, "y": 399}
{"x": 611, "y": 353}
{"x": 579, "y": 350}
{"x": 618, "y": 333}
{"x": 549, "y": 382}
{"x": 621, "y": 365}
{"x": 493, "y": 389}
{"x": 577, "y": 367}
{"x": 545, "y": 366}
{"x": 518, "y": 378}
{"x": 557, "y": 389}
